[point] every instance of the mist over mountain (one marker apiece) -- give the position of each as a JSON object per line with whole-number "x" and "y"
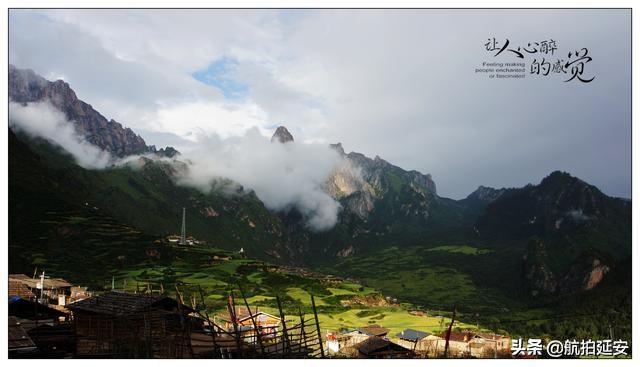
{"x": 285, "y": 177}
{"x": 42, "y": 119}
{"x": 299, "y": 203}
{"x": 25, "y": 86}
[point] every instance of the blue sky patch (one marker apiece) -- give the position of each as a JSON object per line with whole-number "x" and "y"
{"x": 218, "y": 75}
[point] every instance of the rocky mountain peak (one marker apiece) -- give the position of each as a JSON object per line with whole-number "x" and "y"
{"x": 282, "y": 135}
{"x": 559, "y": 177}
{"x": 485, "y": 194}
{"x": 168, "y": 152}
{"x": 338, "y": 148}
{"x": 25, "y": 86}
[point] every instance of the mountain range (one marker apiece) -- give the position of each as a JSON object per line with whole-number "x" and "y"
{"x": 557, "y": 237}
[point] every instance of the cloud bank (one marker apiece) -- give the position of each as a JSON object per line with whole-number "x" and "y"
{"x": 283, "y": 176}
{"x": 45, "y": 121}
{"x": 394, "y": 83}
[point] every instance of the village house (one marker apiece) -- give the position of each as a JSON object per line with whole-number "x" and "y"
{"x": 189, "y": 240}
{"x": 19, "y": 289}
{"x": 45, "y": 326}
{"x": 374, "y": 330}
{"x": 350, "y": 337}
{"x": 267, "y": 325}
{"x": 492, "y": 345}
{"x": 335, "y": 341}
{"x": 31, "y": 313}
{"x": 78, "y": 293}
{"x": 55, "y": 291}
{"x": 477, "y": 344}
{"x": 131, "y": 326}
{"x": 220, "y": 258}
{"x": 20, "y": 344}
{"x": 459, "y": 343}
{"x": 332, "y": 343}
{"x": 431, "y": 346}
{"x": 376, "y": 347}
{"x": 409, "y": 338}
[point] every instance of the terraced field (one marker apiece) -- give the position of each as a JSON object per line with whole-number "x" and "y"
{"x": 92, "y": 249}
{"x": 439, "y": 276}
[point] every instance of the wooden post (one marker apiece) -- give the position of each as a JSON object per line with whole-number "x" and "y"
{"x": 253, "y": 320}
{"x": 74, "y": 327}
{"x": 315, "y": 315}
{"x": 285, "y": 338}
{"x": 446, "y": 344}
{"x": 147, "y": 335}
{"x": 304, "y": 334}
{"x": 36, "y": 313}
{"x": 495, "y": 333}
{"x": 179, "y": 295}
{"x": 184, "y": 323}
{"x": 211, "y": 325}
{"x": 235, "y": 324}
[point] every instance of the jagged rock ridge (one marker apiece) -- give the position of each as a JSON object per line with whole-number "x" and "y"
{"x": 282, "y": 135}
{"x": 25, "y": 86}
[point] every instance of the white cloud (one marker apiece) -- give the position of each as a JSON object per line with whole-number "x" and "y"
{"x": 45, "y": 121}
{"x": 397, "y": 83}
{"x": 283, "y": 176}
{"x": 187, "y": 120}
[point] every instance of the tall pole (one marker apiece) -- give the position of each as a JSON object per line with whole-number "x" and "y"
{"x": 257, "y": 329}
{"x": 610, "y": 332}
{"x": 183, "y": 233}
{"x": 41, "y": 286}
{"x": 212, "y": 326}
{"x": 448, "y": 335}
{"x": 286, "y": 347}
{"x": 315, "y": 315}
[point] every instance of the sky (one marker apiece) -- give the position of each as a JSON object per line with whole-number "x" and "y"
{"x": 400, "y": 84}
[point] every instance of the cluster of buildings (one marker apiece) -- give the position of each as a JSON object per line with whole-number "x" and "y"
{"x": 56, "y": 319}
{"x": 251, "y": 324}
{"x": 373, "y": 341}
{"x": 50, "y": 317}
{"x": 366, "y": 342}
{"x": 183, "y": 239}
{"x": 188, "y": 241}
{"x": 39, "y": 320}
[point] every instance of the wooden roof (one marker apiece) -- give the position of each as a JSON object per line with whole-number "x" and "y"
{"x": 466, "y": 336}
{"x": 19, "y": 340}
{"x": 49, "y": 283}
{"x": 261, "y": 316}
{"x": 17, "y": 288}
{"x": 375, "y": 345}
{"x": 412, "y": 335}
{"x": 490, "y": 336}
{"x": 29, "y": 309}
{"x": 242, "y": 314}
{"x": 124, "y": 304}
{"x": 373, "y": 330}
{"x": 459, "y": 336}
